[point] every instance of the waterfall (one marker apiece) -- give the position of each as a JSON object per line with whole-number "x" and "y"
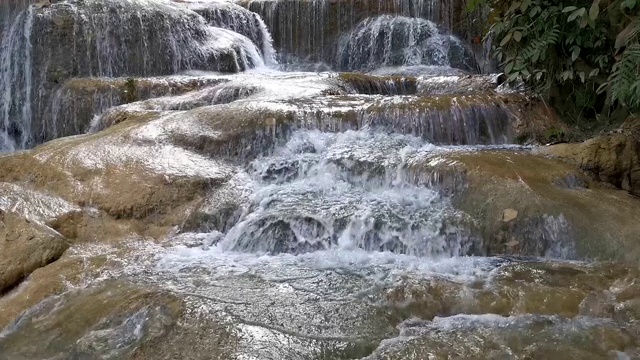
{"x": 321, "y": 190}
{"x": 310, "y": 29}
{"x": 233, "y": 17}
{"x": 94, "y": 38}
{"x": 397, "y": 41}
{"x": 16, "y": 82}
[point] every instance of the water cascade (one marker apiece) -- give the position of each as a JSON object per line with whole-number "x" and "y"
{"x": 310, "y": 29}
{"x": 217, "y": 201}
{"x": 16, "y": 82}
{"x": 237, "y": 19}
{"x": 387, "y": 41}
{"x": 103, "y": 39}
{"x": 347, "y": 190}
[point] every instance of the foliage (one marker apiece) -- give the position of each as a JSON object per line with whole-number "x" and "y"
{"x": 572, "y": 50}
{"x": 129, "y": 94}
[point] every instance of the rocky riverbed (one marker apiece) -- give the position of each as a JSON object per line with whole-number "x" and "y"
{"x": 196, "y": 195}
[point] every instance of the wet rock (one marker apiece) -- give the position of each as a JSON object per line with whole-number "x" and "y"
{"x": 79, "y": 100}
{"x": 552, "y": 220}
{"x": 377, "y": 85}
{"x": 89, "y": 170}
{"x": 25, "y": 246}
{"x": 598, "y": 305}
{"x": 127, "y": 317}
{"x": 611, "y": 158}
{"x": 491, "y": 336}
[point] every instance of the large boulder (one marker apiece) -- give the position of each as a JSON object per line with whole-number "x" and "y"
{"x": 26, "y": 242}
{"x": 25, "y": 246}
{"x": 530, "y": 205}
{"x": 127, "y": 316}
{"x": 612, "y": 158}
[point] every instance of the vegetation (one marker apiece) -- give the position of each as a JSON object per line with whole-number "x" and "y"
{"x": 583, "y": 56}
{"x": 129, "y": 94}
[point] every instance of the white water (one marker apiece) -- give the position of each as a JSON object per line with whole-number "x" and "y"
{"x": 233, "y": 17}
{"x": 16, "y": 84}
{"x": 388, "y": 40}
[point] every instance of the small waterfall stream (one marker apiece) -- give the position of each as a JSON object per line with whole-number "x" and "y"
{"x": 16, "y": 83}
{"x": 347, "y": 190}
{"x": 398, "y": 41}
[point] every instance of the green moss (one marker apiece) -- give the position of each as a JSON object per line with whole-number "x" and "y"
{"x": 555, "y": 135}
{"x": 129, "y": 93}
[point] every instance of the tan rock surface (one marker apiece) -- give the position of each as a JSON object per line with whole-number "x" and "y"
{"x": 24, "y": 247}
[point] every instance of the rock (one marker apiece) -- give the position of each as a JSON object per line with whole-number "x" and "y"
{"x": 612, "y": 158}
{"x": 79, "y": 100}
{"x": 42, "y": 4}
{"x": 25, "y": 246}
{"x": 553, "y": 220}
{"x": 598, "y": 305}
{"x": 127, "y": 317}
{"x": 509, "y": 215}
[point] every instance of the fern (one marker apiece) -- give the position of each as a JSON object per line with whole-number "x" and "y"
{"x": 568, "y": 47}
{"x": 624, "y": 79}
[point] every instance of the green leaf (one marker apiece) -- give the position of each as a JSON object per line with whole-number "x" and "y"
{"x": 525, "y": 4}
{"x": 602, "y": 88}
{"x": 575, "y": 52}
{"x": 594, "y": 72}
{"x": 581, "y": 75}
{"x": 534, "y": 11}
{"x": 506, "y": 39}
{"x": 575, "y": 14}
{"x": 594, "y": 10}
{"x": 514, "y": 6}
{"x": 569, "y": 9}
{"x": 536, "y": 56}
{"x": 629, "y": 4}
{"x": 509, "y": 68}
{"x": 517, "y": 36}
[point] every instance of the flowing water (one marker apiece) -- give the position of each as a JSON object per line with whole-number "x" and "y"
{"x": 331, "y": 230}
{"x": 397, "y": 41}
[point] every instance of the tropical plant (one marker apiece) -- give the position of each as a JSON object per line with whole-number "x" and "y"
{"x": 583, "y": 53}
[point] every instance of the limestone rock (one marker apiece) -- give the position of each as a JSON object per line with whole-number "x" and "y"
{"x": 75, "y": 39}
{"x": 126, "y": 317}
{"x": 25, "y": 246}
{"x": 42, "y": 4}
{"x": 612, "y": 158}
{"x": 553, "y": 219}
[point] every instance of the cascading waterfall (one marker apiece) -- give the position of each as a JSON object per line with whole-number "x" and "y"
{"x": 309, "y": 29}
{"x": 240, "y": 20}
{"x": 344, "y": 215}
{"x": 16, "y": 83}
{"x": 398, "y": 41}
{"x": 348, "y": 190}
{"x": 105, "y": 39}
